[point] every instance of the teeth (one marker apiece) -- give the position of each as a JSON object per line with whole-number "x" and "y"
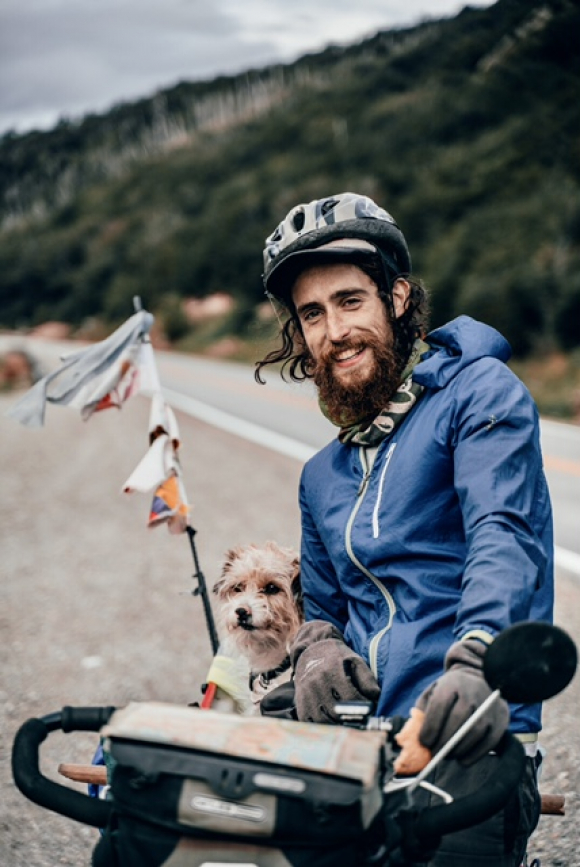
{"x": 348, "y": 355}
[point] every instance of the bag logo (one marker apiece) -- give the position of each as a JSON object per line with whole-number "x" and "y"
{"x": 228, "y": 809}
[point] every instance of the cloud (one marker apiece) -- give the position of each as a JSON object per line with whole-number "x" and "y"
{"x": 64, "y": 58}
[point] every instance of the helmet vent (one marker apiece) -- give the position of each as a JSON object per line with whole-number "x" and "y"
{"x": 298, "y": 220}
{"x": 328, "y": 206}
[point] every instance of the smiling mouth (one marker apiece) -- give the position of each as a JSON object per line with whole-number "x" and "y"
{"x": 345, "y": 358}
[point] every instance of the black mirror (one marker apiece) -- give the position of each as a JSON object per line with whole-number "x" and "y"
{"x": 530, "y": 662}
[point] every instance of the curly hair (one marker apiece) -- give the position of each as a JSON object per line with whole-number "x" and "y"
{"x": 293, "y": 354}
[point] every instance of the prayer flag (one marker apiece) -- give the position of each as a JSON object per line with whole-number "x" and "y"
{"x": 160, "y": 469}
{"x": 96, "y": 377}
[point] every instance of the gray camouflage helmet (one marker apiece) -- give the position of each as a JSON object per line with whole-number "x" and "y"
{"x": 345, "y": 227}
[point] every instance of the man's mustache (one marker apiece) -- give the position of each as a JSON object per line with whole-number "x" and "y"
{"x": 337, "y": 350}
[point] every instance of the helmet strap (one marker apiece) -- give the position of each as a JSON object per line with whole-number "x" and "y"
{"x": 274, "y": 304}
{"x": 391, "y": 274}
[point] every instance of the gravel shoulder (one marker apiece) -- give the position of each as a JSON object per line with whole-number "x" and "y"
{"x": 96, "y": 609}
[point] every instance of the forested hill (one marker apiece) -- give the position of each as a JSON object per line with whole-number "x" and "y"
{"x": 466, "y": 129}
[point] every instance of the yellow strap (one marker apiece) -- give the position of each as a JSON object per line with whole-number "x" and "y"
{"x": 527, "y": 737}
{"x": 231, "y": 675}
{"x": 480, "y": 634}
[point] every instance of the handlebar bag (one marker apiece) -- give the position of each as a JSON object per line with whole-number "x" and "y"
{"x": 194, "y": 787}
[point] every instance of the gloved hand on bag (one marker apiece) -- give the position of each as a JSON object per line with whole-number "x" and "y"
{"x": 279, "y": 702}
{"x": 327, "y": 671}
{"x": 451, "y": 699}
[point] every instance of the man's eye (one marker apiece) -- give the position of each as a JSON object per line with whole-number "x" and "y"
{"x": 352, "y": 301}
{"x": 311, "y": 315}
{"x": 271, "y": 589}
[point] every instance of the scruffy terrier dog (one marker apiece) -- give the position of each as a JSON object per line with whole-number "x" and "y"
{"x": 260, "y": 610}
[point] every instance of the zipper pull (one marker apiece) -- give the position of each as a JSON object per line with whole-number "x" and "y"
{"x": 363, "y": 483}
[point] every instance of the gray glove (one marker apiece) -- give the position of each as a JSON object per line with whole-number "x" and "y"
{"x": 326, "y": 671}
{"x": 451, "y": 699}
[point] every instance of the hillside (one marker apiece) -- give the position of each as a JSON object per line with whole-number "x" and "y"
{"x": 466, "y": 129}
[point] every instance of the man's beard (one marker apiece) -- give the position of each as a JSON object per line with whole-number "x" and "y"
{"x": 358, "y": 397}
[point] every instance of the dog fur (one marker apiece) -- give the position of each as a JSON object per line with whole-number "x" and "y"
{"x": 259, "y": 607}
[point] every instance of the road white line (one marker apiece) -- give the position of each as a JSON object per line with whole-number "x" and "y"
{"x": 284, "y": 445}
{"x": 246, "y": 429}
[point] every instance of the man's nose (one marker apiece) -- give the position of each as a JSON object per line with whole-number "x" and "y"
{"x": 337, "y": 328}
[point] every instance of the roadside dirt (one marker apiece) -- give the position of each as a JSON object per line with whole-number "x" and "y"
{"x": 96, "y": 609}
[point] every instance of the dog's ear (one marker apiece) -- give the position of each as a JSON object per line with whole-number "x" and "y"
{"x": 296, "y": 585}
{"x": 229, "y": 559}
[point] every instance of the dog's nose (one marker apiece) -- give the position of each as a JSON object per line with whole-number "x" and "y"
{"x": 243, "y": 615}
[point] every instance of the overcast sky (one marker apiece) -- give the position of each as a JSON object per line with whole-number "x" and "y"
{"x": 65, "y": 58}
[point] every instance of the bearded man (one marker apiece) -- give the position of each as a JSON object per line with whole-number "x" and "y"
{"x": 427, "y": 524}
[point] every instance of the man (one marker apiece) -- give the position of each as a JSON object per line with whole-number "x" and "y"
{"x": 426, "y": 526}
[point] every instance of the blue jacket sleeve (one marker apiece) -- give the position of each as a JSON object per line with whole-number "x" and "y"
{"x": 506, "y": 510}
{"x": 323, "y": 599}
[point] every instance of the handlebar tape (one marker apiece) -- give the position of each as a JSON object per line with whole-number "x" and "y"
{"x": 44, "y": 792}
{"x": 481, "y": 805}
{"x": 84, "y": 719}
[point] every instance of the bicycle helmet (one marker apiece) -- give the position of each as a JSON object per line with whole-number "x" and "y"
{"x": 345, "y": 227}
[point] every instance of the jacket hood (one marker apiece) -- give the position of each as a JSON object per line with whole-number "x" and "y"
{"x": 456, "y": 345}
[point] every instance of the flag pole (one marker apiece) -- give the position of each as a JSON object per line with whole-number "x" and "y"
{"x": 200, "y": 588}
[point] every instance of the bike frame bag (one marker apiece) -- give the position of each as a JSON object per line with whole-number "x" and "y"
{"x": 195, "y": 788}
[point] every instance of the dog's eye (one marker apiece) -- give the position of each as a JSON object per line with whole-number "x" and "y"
{"x": 271, "y": 589}
{"x": 237, "y": 588}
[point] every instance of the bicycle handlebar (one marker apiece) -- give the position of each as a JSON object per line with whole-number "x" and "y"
{"x": 85, "y": 719}
{"x": 480, "y": 805}
{"x": 427, "y": 824}
{"x": 38, "y": 788}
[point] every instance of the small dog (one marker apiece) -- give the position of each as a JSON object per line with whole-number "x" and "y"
{"x": 259, "y": 611}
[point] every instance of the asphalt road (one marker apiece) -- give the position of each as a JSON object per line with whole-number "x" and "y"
{"x": 285, "y": 417}
{"x": 96, "y": 609}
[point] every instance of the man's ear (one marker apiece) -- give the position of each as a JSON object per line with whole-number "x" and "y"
{"x": 401, "y": 291}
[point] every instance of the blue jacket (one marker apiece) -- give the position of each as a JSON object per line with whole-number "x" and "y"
{"x": 450, "y": 531}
